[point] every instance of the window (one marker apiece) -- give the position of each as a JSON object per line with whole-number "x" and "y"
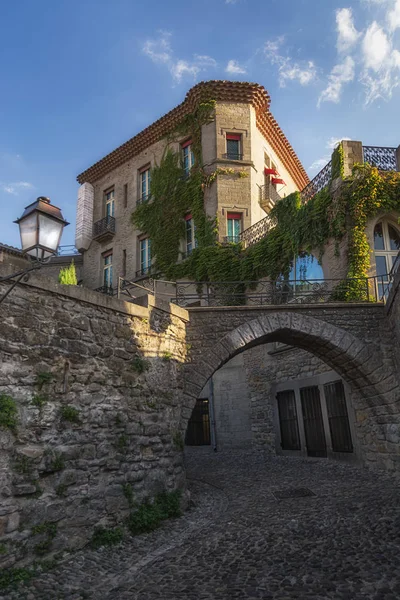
{"x": 109, "y": 200}
{"x": 145, "y": 256}
{"x": 187, "y": 157}
{"x": 386, "y": 246}
{"x": 338, "y": 418}
{"x": 290, "y": 439}
{"x": 234, "y": 227}
{"x": 233, "y": 146}
{"x": 144, "y": 184}
{"x": 125, "y": 195}
{"x": 191, "y": 241}
{"x": 107, "y": 270}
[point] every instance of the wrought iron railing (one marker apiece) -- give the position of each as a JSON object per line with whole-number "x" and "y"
{"x": 386, "y": 285}
{"x": 231, "y": 239}
{"x": 382, "y": 158}
{"x": 232, "y": 156}
{"x": 144, "y": 271}
{"x": 106, "y": 289}
{"x": 256, "y": 232}
{"x": 104, "y": 226}
{"x": 268, "y": 193}
{"x": 267, "y": 293}
{"x": 67, "y": 251}
{"x": 317, "y": 184}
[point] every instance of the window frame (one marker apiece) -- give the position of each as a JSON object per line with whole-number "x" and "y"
{"x": 234, "y": 137}
{"x": 193, "y": 241}
{"x": 144, "y": 177}
{"x": 388, "y": 254}
{"x": 109, "y": 202}
{"x": 187, "y": 147}
{"x": 145, "y": 265}
{"x": 107, "y": 275}
{"x": 234, "y": 217}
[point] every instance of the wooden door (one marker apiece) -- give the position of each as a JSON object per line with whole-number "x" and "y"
{"x": 338, "y": 418}
{"x": 313, "y": 422}
{"x": 290, "y": 439}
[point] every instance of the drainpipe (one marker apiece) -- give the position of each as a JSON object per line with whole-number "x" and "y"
{"x": 213, "y": 429}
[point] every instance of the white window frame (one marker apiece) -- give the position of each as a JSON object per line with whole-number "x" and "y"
{"x": 192, "y": 244}
{"x": 189, "y": 149}
{"x": 144, "y": 178}
{"x": 145, "y": 265}
{"x": 108, "y": 270}
{"x": 389, "y": 255}
{"x": 109, "y": 198}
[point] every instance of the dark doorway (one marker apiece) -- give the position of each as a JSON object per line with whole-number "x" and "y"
{"x": 290, "y": 439}
{"x": 198, "y": 430}
{"x": 338, "y": 418}
{"x": 313, "y": 423}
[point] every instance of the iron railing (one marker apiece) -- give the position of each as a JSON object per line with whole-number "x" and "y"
{"x": 267, "y": 293}
{"x": 317, "y": 184}
{"x": 231, "y": 239}
{"x": 256, "y": 232}
{"x": 106, "y": 289}
{"x": 104, "y": 226}
{"x": 382, "y": 158}
{"x": 67, "y": 251}
{"x": 386, "y": 286}
{"x": 268, "y": 194}
{"x": 232, "y": 156}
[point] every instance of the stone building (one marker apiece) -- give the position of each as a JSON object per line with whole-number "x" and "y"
{"x": 11, "y": 256}
{"x": 243, "y": 137}
{"x": 272, "y": 397}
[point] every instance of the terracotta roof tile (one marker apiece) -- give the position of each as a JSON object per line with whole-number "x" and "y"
{"x": 222, "y": 91}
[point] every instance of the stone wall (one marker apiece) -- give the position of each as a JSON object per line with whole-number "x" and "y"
{"x": 97, "y": 385}
{"x": 393, "y": 311}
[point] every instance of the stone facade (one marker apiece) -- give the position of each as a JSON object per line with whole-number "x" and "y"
{"x": 97, "y": 384}
{"x": 228, "y": 193}
{"x": 356, "y": 341}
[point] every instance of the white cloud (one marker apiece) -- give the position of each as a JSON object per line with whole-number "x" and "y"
{"x": 231, "y": 1}
{"x": 319, "y": 164}
{"x": 381, "y": 61}
{"x": 160, "y": 52}
{"x": 234, "y": 68}
{"x": 16, "y": 187}
{"x": 393, "y": 16}
{"x": 347, "y": 33}
{"x": 289, "y": 70}
{"x": 375, "y": 47}
{"x": 333, "y": 142}
{"x": 340, "y": 74}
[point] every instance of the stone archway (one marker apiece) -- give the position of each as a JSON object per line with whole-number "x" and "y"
{"x": 358, "y": 362}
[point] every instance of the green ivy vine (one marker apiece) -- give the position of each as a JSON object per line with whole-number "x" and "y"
{"x": 297, "y": 227}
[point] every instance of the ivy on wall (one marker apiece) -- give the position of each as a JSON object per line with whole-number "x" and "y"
{"x": 298, "y": 227}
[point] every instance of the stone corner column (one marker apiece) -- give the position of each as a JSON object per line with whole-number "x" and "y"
{"x": 84, "y": 217}
{"x": 398, "y": 158}
{"x": 352, "y": 154}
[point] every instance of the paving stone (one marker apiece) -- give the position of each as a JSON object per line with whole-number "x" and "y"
{"x": 238, "y": 542}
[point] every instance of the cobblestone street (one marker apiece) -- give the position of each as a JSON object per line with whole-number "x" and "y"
{"x": 240, "y": 542}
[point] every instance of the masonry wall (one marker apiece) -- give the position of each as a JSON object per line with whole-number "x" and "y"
{"x": 97, "y": 386}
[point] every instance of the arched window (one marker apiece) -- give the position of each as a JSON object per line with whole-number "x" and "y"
{"x": 305, "y": 267}
{"x": 386, "y": 246}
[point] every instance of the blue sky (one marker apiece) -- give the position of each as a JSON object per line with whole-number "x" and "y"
{"x": 81, "y": 77}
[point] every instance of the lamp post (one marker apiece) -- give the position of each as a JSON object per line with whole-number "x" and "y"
{"x": 40, "y": 227}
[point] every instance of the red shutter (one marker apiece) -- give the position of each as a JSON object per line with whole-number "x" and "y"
{"x": 145, "y": 168}
{"x": 188, "y": 217}
{"x": 268, "y": 171}
{"x": 278, "y": 181}
{"x": 186, "y": 144}
{"x": 234, "y": 215}
{"x": 233, "y": 136}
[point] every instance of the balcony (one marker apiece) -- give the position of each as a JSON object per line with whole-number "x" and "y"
{"x": 105, "y": 289}
{"x": 384, "y": 159}
{"x": 268, "y": 197}
{"x": 231, "y": 239}
{"x": 232, "y": 156}
{"x": 104, "y": 229}
{"x": 145, "y": 272}
{"x": 143, "y": 199}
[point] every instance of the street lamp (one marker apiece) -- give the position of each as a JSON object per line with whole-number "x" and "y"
{"x": 40, "y": 227}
